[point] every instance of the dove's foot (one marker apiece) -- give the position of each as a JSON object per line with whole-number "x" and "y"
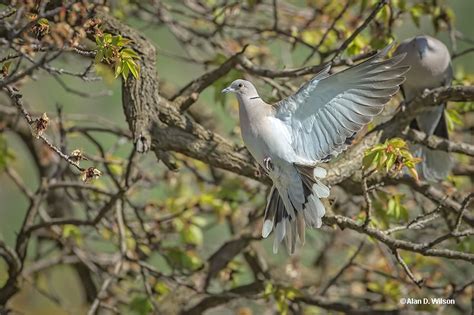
{"x": 268, "y": 165}
{"x": 402, "y": 107}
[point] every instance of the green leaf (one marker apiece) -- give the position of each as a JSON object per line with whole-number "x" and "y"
{"x": 123, "y": 41}
{"x": 129, "y": 53}
{"x": 161, "y": 288}
{"x": 192, "y": 234}
{"x": 371, "y": 159}
{"x": 453, "y": 119}
{"x": 141, "y": 305}
{"x": 116, "y": 39}
{"x": 98, "y": 40}
{"x": 72, "y": 232}
{"x": 391, "y": 160}
{"x": 125, "y": 71}
{"x": 384, "y": 14}
{"x": 109, "y": 52}
{"x": 465, "y": 107}
{"x": 382, "y": 159}
{"x": 3, "y": 273}
{"x": 416, "y": 12}
{"x": 107, "y": 38}
{"x": 311, "y": 36}
{"x": 393, "y": 152}
{"x": 134, "y": 68}
{"x": 43, "y": 22}
{"x": 397, "y": 143}
{"x": 179, "y": 259}
{"x": 5, "y": 154}
{"x": 99, "y": 56}
{"x": 268, "y": 290}
{"x": 199, "y": 221}
{"x": 118, "y": 68}
{"x": 396, "y": 209}
{"x": 6, "y": 67}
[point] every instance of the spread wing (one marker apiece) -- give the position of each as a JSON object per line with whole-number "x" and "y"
{"x": 330, "y": 108}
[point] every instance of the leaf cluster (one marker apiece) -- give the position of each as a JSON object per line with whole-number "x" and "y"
{"x": 112, "y": 50}
{"x": 391, "y": 157}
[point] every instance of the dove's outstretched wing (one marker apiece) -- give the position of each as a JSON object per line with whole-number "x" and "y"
{"x": 330, "y": 108}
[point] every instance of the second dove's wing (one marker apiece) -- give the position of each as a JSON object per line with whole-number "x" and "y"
{"x": 330, "y": 108}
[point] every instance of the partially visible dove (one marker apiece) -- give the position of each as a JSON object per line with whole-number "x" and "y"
{"x": 430, "y": 64}
{"x": 288, "y": 139}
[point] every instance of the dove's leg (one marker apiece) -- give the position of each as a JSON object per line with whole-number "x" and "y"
{"x": 267, "y": 163}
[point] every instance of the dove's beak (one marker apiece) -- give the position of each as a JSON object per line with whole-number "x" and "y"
{"x": 228, "y": 89}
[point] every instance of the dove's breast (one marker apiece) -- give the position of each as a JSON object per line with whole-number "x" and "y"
{"x": 266, "y": 136}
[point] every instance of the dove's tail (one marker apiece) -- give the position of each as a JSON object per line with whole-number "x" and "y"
{"x": 436, "y": 164}
{"x": 290, "y": 224}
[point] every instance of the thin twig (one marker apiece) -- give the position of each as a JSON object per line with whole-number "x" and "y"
{"x": 418, "y": 282}
{"x": 366, "y": 22}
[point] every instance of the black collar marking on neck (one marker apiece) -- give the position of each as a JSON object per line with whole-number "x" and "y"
{"x": 254, "y": 97}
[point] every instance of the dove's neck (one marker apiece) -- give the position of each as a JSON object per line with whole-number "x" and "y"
{"x": 251, "y": 110}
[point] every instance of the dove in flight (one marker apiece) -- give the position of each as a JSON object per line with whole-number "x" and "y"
{"x": 430, "y": 67}
{"x": 291, "y": 138}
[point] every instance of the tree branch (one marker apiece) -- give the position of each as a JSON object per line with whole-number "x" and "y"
{"x": 437, "y": 143}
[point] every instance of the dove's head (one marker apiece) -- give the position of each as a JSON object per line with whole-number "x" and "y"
{"x": 422, "y": 45}
{"x": 242, "y": 88}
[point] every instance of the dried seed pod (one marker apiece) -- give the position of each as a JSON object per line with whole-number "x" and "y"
{"x": 77, "y": 155}
{"x": 89, "y": 174}
{"x": 39, "y": 126}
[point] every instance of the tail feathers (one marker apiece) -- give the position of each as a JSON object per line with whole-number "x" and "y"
{"x": 291, "y": 228}
{"x": 436, "y": 164}
{"x": 274, "y": 206}
{"x": 441, "y": 129}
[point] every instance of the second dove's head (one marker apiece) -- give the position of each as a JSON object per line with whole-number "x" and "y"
{"x": 242, "y": 88}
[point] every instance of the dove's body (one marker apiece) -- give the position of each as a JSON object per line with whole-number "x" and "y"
{"x": 430, "y": 64}
{"x": 267, "y": 135}
{"x": 306, "y": 128}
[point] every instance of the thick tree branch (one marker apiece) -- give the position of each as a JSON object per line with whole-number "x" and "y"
{"x": 437, "y": 143}
{"x": 14, "y": 265}
{"x": 421, "y": 248}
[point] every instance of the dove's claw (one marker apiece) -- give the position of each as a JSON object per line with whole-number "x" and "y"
{"x": 402, "y": 107}
{"x": 267, "y": 163}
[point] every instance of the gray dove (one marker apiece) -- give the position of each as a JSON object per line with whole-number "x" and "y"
{"x": 430, "y": 64}
{"x": 290, "y": 138}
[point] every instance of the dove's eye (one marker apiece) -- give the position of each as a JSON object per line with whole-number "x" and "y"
{"x": 240, "y": 85}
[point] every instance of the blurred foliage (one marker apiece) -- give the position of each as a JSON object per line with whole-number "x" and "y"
{"x": 389, "y": 208}
{"x": 73, "y": 233}
{"x": 6, "y": 155}
{"x": 283, "y": 295}
{"x": 141, "y": 305}
{"x": 453, "y": 119}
